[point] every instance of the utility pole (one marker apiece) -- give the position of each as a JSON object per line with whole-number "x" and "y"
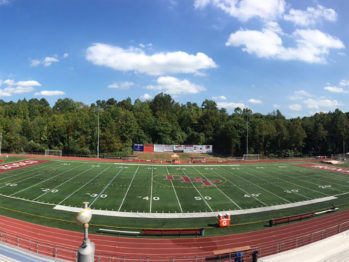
{"x": 0, "y": 142}
{"x": 247, "y": 135}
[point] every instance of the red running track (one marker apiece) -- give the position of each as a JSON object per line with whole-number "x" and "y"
{"x": 267, "y": 241}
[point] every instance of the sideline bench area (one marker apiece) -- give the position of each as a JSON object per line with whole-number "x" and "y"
{"x": 236, "y": 254}
{"x": 174, "y": 232}
{"x": 276, "y": 221}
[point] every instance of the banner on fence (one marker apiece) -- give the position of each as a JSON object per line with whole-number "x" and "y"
{"x": 183, "y": 148}
{"x": 138, "y": 147}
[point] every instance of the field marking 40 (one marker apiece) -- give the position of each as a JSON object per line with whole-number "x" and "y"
{"x": 252, "y": 195}
{"x": 149, "y": 198}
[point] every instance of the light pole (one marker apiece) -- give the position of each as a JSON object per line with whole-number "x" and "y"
{"x": 247, "y": 136}
{"x": 98, "y": 110}
{"x": 0, "y": 142}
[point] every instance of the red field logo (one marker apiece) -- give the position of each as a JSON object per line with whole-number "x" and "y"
{"x": 186, "y": 179}
{"x": 20, "y": 164}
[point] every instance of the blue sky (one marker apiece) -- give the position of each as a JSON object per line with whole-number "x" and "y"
{"x": 289, "y": 55}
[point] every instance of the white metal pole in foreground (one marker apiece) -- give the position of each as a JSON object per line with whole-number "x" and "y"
{"x": 86, "y": 252}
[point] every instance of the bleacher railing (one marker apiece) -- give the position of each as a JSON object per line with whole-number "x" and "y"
{"x": 70, "y": 254}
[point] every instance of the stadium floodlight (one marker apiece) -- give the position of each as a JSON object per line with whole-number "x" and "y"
{"x": 98, "y": 110}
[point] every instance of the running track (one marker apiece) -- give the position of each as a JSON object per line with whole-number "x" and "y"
{"x": 267, "y": 241}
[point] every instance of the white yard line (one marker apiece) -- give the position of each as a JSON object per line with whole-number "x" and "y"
{"x": 134, "y": 175}
{"x": 202, "y": 197}
{"x": 174, "y": 190}
{"x": 20, "y": 175}
{"x": 16, "y": 175}
{"x": 64, "y": 181}
{"x": 231, "y": 200}
{"x": 28, "y": 200}
{"x": 88, "y": 182}
{"x": 266, "y": 190}
{"x": 105, "y": 188}
{"x": 15, "y": 193}
{"x": 151, "y": 190}
{"x": 195, "y": 214}
{"x": 243, "y": 190}
{"x": 303, "y": 187}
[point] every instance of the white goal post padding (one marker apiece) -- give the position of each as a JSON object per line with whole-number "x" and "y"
{"x": 51, "y": 152}
{"x": 250, "y": 157}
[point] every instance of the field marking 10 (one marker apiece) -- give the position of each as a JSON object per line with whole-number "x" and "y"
{"x": 291, "y": 191}
{"x": 11, "y": 184}
{"x": 49, "y": 190}
{"x": 95, "y": 195}
{"x": 325, "y": 186}
{"x": 252, "y": 195}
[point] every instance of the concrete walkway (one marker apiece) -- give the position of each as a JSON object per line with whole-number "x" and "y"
{"x": 332, "y": 249}
{"x": 11, "y": 254}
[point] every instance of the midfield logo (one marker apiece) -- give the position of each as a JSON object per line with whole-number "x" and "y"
{"x": 186, "y": 179}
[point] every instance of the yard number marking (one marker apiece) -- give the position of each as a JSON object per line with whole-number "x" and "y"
{"x": 291, "y": 191}
{"x": 325, "y": 186}
{"x": 10, "y": 184}
{"x": 95, "y": 195}
{"x": 149, "y": 198}
{"x": 205, "y": 197}
{"x": 252, "y": 195}
{"x": 49, "y": 190}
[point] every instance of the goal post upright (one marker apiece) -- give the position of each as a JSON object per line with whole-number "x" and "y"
{"x": 52, "y": 152}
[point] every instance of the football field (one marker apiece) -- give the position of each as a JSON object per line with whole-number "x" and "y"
{"x": 171, "y": 189}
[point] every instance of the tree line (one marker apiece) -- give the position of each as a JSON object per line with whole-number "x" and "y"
{"x": 33, "y": 126}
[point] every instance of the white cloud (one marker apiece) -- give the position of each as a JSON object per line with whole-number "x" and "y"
{"x": 50, "y": 93}
{"x": 247, "y": 9}
{"x": 146, "y": 96}
{"x": 312, "y": 46}
{"x": 134, "y": 59}
{"x": 310, "y": 16}
{"x": 264, "y": 43}
{"x": 255, "y": 101}
{"x": 317, "y": 103}
{"x": 334, "y": 89}
{"x": 216, "y": 98}
{"x": 47, "y": 61}
{"x": 230, "y": 105}
{"x": 295, "y": 107}
{"x": 344, "y": 83}
{"x": 19, "y": 87}
{"x": 175, "y": 86}
{"x": 300, "y": 95}
{"x": 65, "y": 55}
{"x": 122, "y": 86}
{"x": 276, "y": 106}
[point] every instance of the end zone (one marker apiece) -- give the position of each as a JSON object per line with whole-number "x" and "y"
{"x": 20, "y": 164}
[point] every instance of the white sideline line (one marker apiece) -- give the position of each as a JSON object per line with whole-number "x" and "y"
{"x": 194, "y": 214}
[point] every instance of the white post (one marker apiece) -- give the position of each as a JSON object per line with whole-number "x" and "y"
{"x": 86, "y": 252}
{"x": 0, "y": 142}
{"x": 98, "y": 134}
